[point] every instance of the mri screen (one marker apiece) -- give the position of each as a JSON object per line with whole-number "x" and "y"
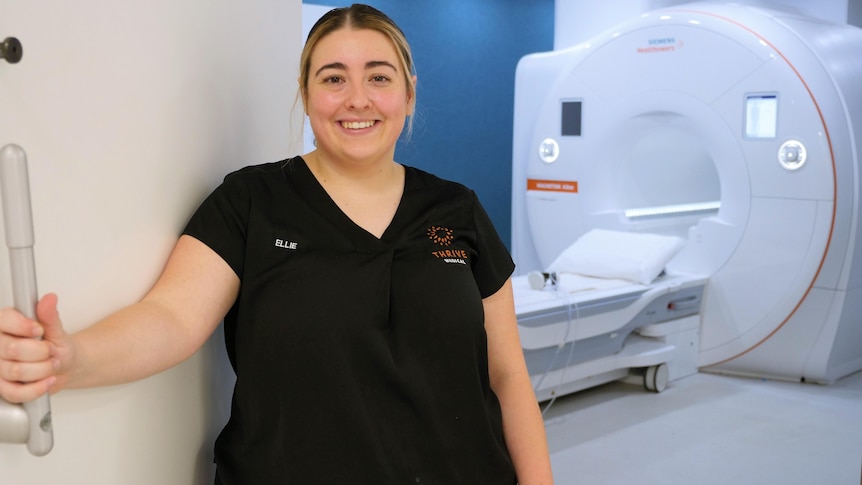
{"x": 571, "y": 124}
{"x": 761, "y": 115}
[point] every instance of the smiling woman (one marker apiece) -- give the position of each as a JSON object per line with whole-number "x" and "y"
{"x": 367, "y": 305}
{"x": 465, "y": 54}
{"x": 373, "y": 23}
{"x": 357, "y": 100}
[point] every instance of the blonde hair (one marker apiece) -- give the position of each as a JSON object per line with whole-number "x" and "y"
{"x": 359, "y": 16}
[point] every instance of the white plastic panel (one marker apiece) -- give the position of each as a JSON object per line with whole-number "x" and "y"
{"x": 651, "y": 54}
{"x": 758, "y": 288}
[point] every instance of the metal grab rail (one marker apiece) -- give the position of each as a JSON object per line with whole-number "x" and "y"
{"x": 17, "y": 214}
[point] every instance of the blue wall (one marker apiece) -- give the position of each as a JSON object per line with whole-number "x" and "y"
{"x": 465, "y": 53}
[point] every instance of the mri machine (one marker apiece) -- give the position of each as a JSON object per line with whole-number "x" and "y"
{"x": 732, "y": 129}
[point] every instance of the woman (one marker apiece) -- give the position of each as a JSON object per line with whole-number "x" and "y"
{"x": 367, "y": 305}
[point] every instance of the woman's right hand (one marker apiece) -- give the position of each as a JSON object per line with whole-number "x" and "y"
{"x": 29, "y": 366}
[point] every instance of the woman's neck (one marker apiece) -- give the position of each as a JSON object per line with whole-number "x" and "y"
{"x": 372, "y": 175}
{"x": 368, "y": 194}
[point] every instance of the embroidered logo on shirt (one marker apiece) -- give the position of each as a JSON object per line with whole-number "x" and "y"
{"x": 452, "y": 256}
{"x": 443, "y": 236}
{"x": 281, "y": 243}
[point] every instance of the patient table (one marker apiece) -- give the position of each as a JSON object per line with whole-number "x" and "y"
{"x": 584, "y": 331}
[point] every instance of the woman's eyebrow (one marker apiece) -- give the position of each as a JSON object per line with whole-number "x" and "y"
{"x": 334, "y": 65}
{"x": 373, "y": 64}
{"x": 368, "y": 65}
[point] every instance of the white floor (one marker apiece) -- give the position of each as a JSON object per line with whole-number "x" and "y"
{"x": 709, "y": 429}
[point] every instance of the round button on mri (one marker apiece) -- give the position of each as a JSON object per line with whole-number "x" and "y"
{"x": 792, "y": 154}
{"x": 549, "y": 150}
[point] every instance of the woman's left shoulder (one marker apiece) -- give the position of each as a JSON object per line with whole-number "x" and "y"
{"x": 438, "y": 185}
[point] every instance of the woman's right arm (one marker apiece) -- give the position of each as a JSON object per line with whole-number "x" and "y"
{"x": 174, "y": 319}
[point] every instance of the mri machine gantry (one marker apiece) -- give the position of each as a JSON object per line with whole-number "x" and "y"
{"x": 736, "y": 128}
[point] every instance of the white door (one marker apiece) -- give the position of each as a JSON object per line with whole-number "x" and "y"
{"x": 130, "y": 113}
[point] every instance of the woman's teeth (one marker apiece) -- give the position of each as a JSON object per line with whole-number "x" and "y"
{"x": 357, "y": 125}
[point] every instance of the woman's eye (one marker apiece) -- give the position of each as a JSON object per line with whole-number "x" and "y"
{"x": 380, "y": 78}
{"x": 332, "y": 80}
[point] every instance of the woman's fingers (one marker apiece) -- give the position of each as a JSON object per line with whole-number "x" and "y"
{"x": 14, "y": 323}
{"x": 26, "y": 371}
{"x": 27, "y": 366}
{"x": 14, "y": 350}
{"x": 49, "y": 317}
{"x": 16, "y": 392}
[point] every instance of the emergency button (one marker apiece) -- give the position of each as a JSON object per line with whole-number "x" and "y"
{"x": 549, "y": 150}
{"x": 792, "y": 154}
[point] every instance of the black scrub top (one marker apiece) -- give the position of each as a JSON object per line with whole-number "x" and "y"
{"x": 359, "y": 360}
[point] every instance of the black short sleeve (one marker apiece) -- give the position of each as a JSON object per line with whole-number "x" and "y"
{"x": 494, "y": 264}
{"x": 221, "y": 221}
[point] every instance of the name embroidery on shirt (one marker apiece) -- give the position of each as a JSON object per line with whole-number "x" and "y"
{"x": 443, "y": 236}
{"x": 281, "y": 243}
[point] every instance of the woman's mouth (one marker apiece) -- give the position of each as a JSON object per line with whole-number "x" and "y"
{"x": 357, "y": 125}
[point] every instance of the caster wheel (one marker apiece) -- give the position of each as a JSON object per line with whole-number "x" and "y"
{"x": 655, "y": 378}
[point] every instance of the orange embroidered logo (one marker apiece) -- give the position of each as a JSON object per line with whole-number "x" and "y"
{"x": 443, "y": 236}
{"x": 440, "y": 235}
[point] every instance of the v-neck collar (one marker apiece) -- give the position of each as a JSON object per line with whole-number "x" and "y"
{"x": 313, "y": 192}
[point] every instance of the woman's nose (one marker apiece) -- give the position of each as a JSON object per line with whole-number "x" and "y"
{"x": 358, "y": 96}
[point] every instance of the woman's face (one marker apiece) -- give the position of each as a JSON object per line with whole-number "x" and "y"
{"x": 357, "y": 98}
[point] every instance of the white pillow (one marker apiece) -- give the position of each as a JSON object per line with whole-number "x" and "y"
{"x": 630, "y": 256}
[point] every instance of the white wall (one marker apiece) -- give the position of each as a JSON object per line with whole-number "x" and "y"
{"x": 130, "y": 113}
{"x": 578, "y": 20}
